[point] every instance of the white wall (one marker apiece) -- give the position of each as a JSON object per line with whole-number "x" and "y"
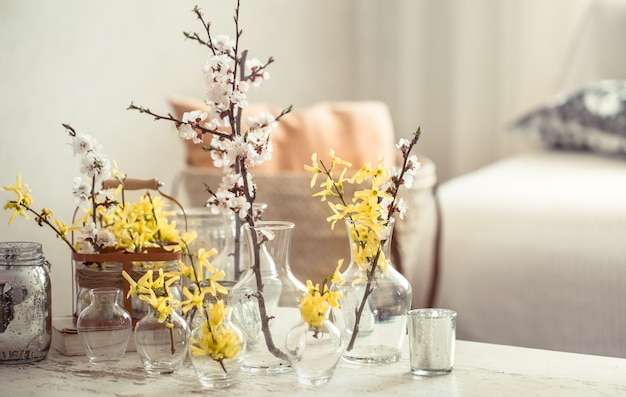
{"x": 83, "y": 61}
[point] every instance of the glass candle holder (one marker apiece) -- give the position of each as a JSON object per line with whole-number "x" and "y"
{"x": 432, "y": 335}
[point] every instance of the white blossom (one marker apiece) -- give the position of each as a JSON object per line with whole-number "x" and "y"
{"x": 89, "y": 230}
{"x": 219, "y": 94}
{"x": 82, "y": 144}
{"x": 240, "y": 99}
{"x": 224, "y": 44}
{"x": 212, "y": 124}
{"x": 243, "y": 86}
{"x": 403, "y": 144}
{"x": 105, "y": 238}
{"x": 84, "y": 246}
{"x": 81, "y": 191}
{"x": 385, "y": 232}
{"x": 195, "y": 116}
{"x": 401, "y": 208}
{"x": 186, "y": 132}
{"x": 257, "y": 76}
{"x": 96, "y": 165}
{"x": 262, "y": 121}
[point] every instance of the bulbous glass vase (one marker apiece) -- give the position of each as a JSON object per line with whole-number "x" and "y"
{"x": 377, "y": 301}
{"x": 217, "y": 354}
{"x": 162, "y": 349}
{"x": 104, "y": 327}
{"x": 314, "y": 352}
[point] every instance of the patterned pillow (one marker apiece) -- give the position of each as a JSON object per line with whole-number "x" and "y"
{"x": 592, "y": 119}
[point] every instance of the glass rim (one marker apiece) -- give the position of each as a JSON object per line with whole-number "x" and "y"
{"x": 104, "y": 290}
{"x": 432, "y": 312}
{"x": 270, "y": 225}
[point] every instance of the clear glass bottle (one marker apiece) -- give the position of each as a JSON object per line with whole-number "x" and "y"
{"x": 266, "y": 300}
{"x": 381, "y": 327}
{"x": 104, "y": 327}
{"x": 25, "y": 303}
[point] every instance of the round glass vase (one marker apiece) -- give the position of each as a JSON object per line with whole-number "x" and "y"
{"x": 314, "y": 352}
{"x": 217, "y": 362}
{"x": 162, "y": 349}
{"x": 25, "y": 303}
{"x": 104, "y": 327}
{"x": 265, "y": 302}
{"x": 373, "y": 305}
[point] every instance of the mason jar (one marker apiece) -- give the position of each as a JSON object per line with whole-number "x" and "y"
{"x": 25, "y": 303}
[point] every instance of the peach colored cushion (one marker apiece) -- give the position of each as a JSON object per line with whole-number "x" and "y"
{"x": 358, "y": 131}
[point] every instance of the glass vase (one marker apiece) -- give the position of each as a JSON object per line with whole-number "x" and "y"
{"x": 378, "y": 302}
{"x": 221, "y": 231}
{"x": 265, "y": 302}
{"x": 104, "y": 327}
{"x": 216, "y": 362}
{"x": 25, "y": 303}
{"x": 162, "y": 349}
{"x": 214, "y": 231}
{"x": 314, "y": 352}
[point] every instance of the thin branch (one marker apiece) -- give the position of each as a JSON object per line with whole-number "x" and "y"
{"x": 178, "y": 123}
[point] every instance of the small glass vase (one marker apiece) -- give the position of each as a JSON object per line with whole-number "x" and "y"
{"x": 381, "y": 327}
{"x": 162, "y": 349}
{"x": 314, "y": 352}
{"x": 25, "y": 303}
{"x": 213, "y": 372}
{"x": 104, "y": 327}
{"x": 265, "y": 301}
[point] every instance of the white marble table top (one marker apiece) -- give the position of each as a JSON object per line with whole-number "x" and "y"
{"x": 480, "y": 370}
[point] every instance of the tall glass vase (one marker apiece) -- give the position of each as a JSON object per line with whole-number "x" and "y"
{"x": 265, "y": 302}
{"x": 373, "y": 305}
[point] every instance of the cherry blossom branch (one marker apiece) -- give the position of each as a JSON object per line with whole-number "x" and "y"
{"x": 178, "y": 122}
{"x": 406, "y": 151}
{"x": 226, "y": 73}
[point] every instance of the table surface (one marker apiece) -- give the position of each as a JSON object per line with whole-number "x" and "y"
{"x": 480, "y": 370}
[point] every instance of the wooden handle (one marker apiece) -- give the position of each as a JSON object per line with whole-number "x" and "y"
{"x": 133, "y": 184}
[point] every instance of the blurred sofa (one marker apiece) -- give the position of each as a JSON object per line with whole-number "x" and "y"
{"x": 533, "y": 247}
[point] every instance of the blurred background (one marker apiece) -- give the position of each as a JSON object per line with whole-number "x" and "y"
{"x": 460, "y": 69}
